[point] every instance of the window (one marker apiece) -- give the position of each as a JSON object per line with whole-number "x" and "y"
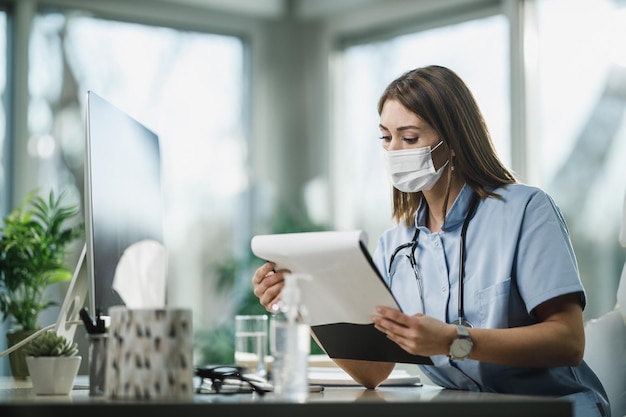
{"x": 3, "y": 115}
{"x": 477, "y": 50}
{"x": 185, "y": 86}
{"x": 582, "y": 133}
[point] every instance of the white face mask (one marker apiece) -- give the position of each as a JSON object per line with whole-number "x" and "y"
{"x": 412, "y": 170}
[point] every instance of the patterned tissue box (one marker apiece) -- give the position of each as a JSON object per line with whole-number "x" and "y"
{"x": 150, "y": 353}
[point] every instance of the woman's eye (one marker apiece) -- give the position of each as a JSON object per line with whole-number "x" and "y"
{"x": 385, "y": 138}
{"x": 410, "y": 140}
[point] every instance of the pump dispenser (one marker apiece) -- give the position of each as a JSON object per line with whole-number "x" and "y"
{"x": 290, "y": 343}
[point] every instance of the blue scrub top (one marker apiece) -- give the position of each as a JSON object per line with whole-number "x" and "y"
{"x": 518, "y": 255}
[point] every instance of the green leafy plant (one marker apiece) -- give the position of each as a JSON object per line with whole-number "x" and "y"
{"x": 33, "y": 245}
{"x": 50, "y": 344}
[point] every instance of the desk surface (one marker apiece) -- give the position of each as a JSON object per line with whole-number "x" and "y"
{"x": 17, "y": 399}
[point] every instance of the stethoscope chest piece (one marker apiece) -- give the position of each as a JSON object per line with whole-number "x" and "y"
{"x": 462, "y": 321}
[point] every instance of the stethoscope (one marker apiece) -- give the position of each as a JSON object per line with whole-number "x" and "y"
{"x": 413, "y": 244}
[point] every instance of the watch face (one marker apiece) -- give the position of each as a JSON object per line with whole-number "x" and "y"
{"x": 461, "y": 348}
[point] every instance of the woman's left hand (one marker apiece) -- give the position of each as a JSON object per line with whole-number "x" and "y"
{"x": 418, "y": 334}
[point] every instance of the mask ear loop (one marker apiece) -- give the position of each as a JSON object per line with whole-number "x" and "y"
{"x": 436, "y": 146}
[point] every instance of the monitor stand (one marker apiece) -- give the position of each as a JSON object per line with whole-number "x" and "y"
{"x": 74, "y": 300}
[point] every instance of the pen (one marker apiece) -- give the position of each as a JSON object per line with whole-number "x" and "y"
{"x": 89, "y": 324}
{"x": 100, "y": 327}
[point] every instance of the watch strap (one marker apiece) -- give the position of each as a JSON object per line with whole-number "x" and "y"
{"x": 463, "y": 340}
{"x": 462, "y": 332}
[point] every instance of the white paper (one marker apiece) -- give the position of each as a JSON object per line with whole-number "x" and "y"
{"x": 344, "y": 287}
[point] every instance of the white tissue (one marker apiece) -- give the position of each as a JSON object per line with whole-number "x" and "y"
{"x": 621, "y": 294}
{"x": 622, "y": 231}
{"x": 140, "y": 275}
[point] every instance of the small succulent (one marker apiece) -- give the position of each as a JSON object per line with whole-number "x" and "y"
{"x": 50, "y": 344}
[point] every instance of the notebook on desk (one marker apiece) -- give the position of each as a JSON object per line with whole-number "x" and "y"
{"x": 343, "y": 292}
{"x": 333, "y": 376}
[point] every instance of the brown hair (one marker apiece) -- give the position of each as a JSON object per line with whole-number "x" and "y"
{"x": 439, "y": 96}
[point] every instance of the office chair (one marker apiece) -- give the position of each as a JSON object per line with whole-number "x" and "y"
{"x": 605, "y": 350}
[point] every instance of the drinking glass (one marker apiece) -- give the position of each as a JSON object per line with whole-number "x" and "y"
{"x": 251, "y": 343}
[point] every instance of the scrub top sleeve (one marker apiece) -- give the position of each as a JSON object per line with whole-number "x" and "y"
{"x": 546, "y": 265}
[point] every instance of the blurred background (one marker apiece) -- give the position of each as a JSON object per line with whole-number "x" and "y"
{"x": 266, "y": 111}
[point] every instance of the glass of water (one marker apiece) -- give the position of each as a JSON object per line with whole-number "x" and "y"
{"x": 251, "y": 343}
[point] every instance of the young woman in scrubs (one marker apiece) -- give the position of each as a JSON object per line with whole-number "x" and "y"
{"x": 481, "y": 265}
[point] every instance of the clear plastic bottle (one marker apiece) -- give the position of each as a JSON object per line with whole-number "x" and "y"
{"x": 290, "y": 342}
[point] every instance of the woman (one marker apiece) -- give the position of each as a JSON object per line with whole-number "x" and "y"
{"x": 482, "y": 266}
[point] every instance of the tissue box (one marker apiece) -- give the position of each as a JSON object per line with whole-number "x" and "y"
{"x": 150, "y": 353}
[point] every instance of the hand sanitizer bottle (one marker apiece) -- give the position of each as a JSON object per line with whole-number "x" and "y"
{"x": 290, "y": 341}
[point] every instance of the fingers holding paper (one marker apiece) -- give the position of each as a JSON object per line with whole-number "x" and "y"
{"x": 267, "y": 284}
{"x": 418, "y": 334}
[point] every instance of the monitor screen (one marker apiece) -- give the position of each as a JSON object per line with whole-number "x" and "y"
{"x": 123, "y": 198}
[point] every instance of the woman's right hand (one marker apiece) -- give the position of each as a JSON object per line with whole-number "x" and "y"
{"x": 267, "y": 284}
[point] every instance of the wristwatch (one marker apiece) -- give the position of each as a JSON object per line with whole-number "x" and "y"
{"x": 462, "y": 346}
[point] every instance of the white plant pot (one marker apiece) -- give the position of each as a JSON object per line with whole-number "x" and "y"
{"x": 53, "y": 375}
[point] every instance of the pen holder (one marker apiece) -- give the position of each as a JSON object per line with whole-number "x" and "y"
{"x": 98, "y": 345}
{"x": 150, "y": 353}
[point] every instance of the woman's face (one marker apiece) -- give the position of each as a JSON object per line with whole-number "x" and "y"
{"x": 400, "y": 128}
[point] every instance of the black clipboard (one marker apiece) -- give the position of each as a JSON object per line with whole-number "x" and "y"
{"x": 364, "y": 342}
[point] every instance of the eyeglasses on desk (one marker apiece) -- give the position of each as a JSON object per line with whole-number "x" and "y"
{"x": 226, "y": 379}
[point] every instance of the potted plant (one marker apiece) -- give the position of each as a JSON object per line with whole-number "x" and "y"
{"x": 53, "y": 363}
{"x": 33, "y": 245}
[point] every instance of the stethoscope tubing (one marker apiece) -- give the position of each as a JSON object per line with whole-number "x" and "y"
{"x": 462, "y": 253}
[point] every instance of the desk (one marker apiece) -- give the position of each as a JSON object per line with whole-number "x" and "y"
{"x": 18, "y": 400}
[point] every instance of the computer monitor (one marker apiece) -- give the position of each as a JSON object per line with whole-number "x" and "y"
{"x": 123, "y": 205}
{"x": 123, "y": 194}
